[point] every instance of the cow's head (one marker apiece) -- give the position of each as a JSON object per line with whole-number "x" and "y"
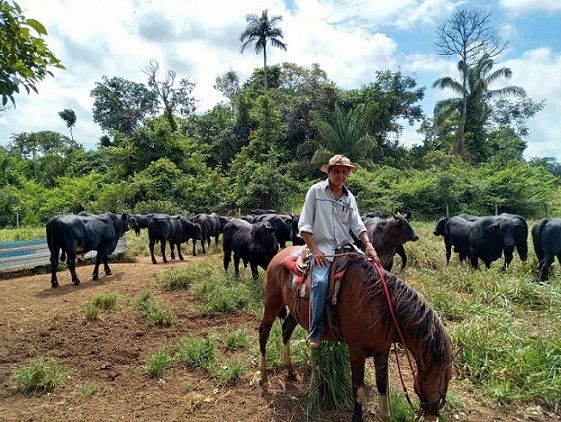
{"x": 439, "y": 229}
{"x": 507, "y": 231}
{"x": 262, "y": 238}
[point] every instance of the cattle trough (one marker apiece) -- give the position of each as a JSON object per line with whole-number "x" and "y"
{"x": 27, "y": 254}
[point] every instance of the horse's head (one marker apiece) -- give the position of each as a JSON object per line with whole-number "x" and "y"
{"x": 432, "y": 388}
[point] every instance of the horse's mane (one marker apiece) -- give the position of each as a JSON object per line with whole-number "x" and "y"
{"x": 411, "y": 309}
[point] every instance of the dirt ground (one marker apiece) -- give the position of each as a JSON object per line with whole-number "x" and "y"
{"x": 38, "y": 321}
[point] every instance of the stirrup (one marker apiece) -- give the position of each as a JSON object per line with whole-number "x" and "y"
{"x": 314, "y": 343}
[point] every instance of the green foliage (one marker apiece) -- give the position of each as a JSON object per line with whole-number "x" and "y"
{"x": 25, "y": 59}
{"x": 197, "y": 352}
{"x": 258, "y": 152}
{"x": 237, "y": 339}
{"x": 153, "y": 311}
{"x": 158, "y": 363}
{"x": 39, "y": 376}
{"x": 120, "y": 105}
{"x": 229, "y": 372}
{"x": 106, "y": 302}
{"x": 330, "y": 380}
{"x": 87, "y": 390}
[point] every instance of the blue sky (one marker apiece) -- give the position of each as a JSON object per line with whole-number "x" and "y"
{"x": 350, "y": 40}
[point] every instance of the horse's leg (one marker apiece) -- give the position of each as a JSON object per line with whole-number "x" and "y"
{"x": 264, "y": 330}
{"x": 288, "y": 327}
{"x": 381, "y": 365}
{"x": 274, "y": 304}
{"x": 357, "y": 359}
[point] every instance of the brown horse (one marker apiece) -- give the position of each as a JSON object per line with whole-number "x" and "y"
{"x": 368, "y": 328}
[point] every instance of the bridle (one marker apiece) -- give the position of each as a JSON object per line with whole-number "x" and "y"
{"x": 430, "y": 408}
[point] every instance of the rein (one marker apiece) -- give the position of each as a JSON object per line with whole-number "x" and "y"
{"x": 415, "y": 384}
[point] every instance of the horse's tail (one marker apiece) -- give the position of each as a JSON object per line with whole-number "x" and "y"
{"x": 282, "y": 313}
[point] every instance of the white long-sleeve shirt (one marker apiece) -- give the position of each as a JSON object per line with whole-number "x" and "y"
{"x": 329, "y": 220}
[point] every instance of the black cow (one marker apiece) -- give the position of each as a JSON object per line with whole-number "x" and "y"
{"x": 261, "y": 212}
{"x": 295, "y": 237}
{"x": 456, "y": 231}
{"x": 139, "y": 221}
{"x": 216, "y": 227}
{"x": 546, "y": 236}
{"x": 253, "y": 243}
{"x": 514, "y": 231}
{"x": 455, "y": 234}
{"x": 74, "y": 234}
{"x": 223, "y": 220}
{"x": 520, "y": 236}
{"x": 210, "y": 226}
{"x": 488, "y": 238}
{"x": 175, "y": 230}
{"x": 387, "y": 234}
{"x": 281, "y": 223}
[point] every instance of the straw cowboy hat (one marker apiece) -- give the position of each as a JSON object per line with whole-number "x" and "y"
{"x": 338, "y": 160}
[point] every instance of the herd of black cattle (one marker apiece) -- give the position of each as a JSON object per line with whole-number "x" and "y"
{"x": 256, "y": 237}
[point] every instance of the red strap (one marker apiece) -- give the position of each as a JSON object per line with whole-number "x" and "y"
{"x": 400, "y": 336}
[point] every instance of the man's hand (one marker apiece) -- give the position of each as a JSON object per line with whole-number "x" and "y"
{"x": 319, "y": 258}
{"x": 371, "y": 252}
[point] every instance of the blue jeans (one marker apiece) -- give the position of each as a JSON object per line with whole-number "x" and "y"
{"x": 320, "y": 282}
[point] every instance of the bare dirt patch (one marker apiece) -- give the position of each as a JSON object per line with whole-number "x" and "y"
{"x": 108, "y": 353}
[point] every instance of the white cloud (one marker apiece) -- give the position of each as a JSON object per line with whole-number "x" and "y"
{"x": 539, "y": 73}
{"x": 521, "y": 7}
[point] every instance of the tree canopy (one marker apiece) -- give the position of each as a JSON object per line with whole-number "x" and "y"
{"x": 25, "y": 58}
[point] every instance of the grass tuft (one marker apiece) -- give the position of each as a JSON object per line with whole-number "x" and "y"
{"x": 39, "y": 376}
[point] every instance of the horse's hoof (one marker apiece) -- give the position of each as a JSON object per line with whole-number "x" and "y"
{"x": 260, "y": 379}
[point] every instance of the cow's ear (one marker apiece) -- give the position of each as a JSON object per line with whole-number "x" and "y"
{"x": 125, "y": 216}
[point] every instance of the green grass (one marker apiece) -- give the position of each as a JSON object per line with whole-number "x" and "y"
{"x": 197, "y": 352}
{"x": 106, "y": 303}
{"x": 39, "y": 376}
{"x": 153, "y": 311}
{"x": 23, "y": 233}
{"x": 87, "y": 390}
{"x": 158, "y": 363}
{"x": 237, "y": 339}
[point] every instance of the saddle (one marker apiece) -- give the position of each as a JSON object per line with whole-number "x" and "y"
{"x": 298, "y": 264}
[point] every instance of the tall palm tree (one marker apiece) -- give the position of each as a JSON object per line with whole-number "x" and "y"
{"x": 259, "y": 30}
{"x": 474, "y": 111}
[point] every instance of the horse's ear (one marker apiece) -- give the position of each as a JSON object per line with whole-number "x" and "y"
{"x": 455, "y": 353}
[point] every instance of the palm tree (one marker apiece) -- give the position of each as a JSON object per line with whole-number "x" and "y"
{"x": 259, "y": 30}
{"x": 474, "y": 111}
{"x": 347, "y": 135}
